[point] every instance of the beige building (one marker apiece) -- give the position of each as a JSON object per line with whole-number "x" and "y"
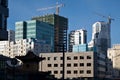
{"x": 77, "y": 65}
{"x": 4, "y": 48}
{"x": 21, "y": 47}
{"x": 114, "y": 56}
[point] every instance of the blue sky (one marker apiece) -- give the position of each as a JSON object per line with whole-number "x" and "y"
{"x": 80, "y": 13}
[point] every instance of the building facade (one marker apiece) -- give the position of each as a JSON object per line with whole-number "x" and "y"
{"x": 100, "y": 42}
{"x": 4, "y": 48}
{"x": 60, "y": 24}
{"x": 11, "y": 35}
{"x": 101, "y": 37}
{"x": 82, "y": 65}
{"x": 80, "y": 48}
{"x": 114, "y": 56}
{"x": 4, "y": 13}
{"x": 77, "y": 65}
{"x": 35, "y": 29}
{"x": 21, "y": 47}
{"x": 77, "y": 37}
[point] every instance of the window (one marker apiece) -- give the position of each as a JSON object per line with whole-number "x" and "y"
{"x": 61, "y": 65}
{"x": 48, "y": 58}
{"x": 68, "y": 58}
{"x": 49, "y": 65}
{"x": 88, "y": 64}
{"x": 75, "y": 71}
{"x": 68, "y": 65}
{"x": 75, "y": 65}
{"x": 61, "y": 72}
{"x": 81, "y": 71}
{"x": 68, "y": 72}
{"x": 75, "y": 57}
{"x": 81, "y": 64}
{"x": 61, "y": 58}
{"x": 55, "y": 72}
{"x": 88, "y": 71}
{"x": 55, "y": 58}
{"x": 55, "y": 65}
{"x": 81, "y": 57}
{"x": 88, "y": 57}
{"x": 50, "y": 72}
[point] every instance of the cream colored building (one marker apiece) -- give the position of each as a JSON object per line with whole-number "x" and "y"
{"x": 4, "y": 48}
{"x": 77, "y": 65}
{"x": 114, "y": 56}
{"x": 21, "y": 47}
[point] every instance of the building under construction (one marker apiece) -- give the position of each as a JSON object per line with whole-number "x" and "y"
{"x": 60, "y": 29}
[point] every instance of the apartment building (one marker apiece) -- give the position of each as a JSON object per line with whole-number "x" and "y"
{"x": 21, "y": 47}
{"x": 77, "y": 38}
{"x": 4, "y": 48}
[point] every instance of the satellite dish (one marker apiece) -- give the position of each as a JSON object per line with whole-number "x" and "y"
{"x": 14, "y": 62}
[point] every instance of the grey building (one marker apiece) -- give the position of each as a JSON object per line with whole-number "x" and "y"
{"x": 11, "y": 35}
{"x": 4, "y": 13}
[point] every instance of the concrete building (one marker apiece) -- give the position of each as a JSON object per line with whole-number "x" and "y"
{"x": 60, "y": 24}
{"x": 77, "y": 37}
{"x": 82, "y": 65}
{"x": 11, "y": 35}
{"x": 4, "y": 48}
{"x": 21, "y": 47}
{"x": 77, "y": 65}
{"x": 35, "y": 29}
{"x": 114, "y": 56}
{"x": 4, "y": 13}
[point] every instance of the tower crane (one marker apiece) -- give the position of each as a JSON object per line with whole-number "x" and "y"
{"x": 52, "y": 7}
{"x": 108, "y": 17}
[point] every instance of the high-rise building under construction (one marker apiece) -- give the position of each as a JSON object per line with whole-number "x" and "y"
{"x": 60, "y": 24}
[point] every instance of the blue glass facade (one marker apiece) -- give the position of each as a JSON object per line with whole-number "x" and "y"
{"x": 20, "y": 30}
{"x": 80, "y": 48}
{"x": 35, "y": 29}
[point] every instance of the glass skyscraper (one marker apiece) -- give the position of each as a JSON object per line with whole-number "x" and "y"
{"x": 35, "y": 29}
{"x": 60, "y": 24}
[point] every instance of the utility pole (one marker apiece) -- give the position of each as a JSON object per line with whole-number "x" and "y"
{"x": 63, "y": 61}
{"x": 63, "y": 74}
